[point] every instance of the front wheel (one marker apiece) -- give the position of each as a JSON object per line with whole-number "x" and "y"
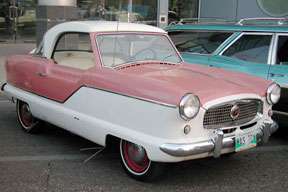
{"x": 27, "y": 121}
{"x": 137, "y": 164}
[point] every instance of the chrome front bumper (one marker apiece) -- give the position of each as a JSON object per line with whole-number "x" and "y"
{"x": 217, "y": 144}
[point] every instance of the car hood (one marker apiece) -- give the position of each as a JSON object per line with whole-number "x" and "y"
{"x": 169, "y": 83}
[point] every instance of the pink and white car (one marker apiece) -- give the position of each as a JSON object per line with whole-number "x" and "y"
{"x": 107, "y": 80}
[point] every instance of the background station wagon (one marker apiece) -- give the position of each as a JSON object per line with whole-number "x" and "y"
{"x": 254, "y": 46}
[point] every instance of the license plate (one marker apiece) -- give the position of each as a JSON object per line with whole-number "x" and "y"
{"x": 244, "y": 140}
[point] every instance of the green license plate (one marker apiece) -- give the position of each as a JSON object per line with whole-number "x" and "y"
{"x": 245, "y": 140}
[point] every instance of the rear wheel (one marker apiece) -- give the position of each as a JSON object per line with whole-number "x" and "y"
{"x": 27, "y": 121}
{"x": 137, "y": 164}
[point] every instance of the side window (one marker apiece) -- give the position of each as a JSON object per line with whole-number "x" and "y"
{"x": 200, "y": 42}
{"x": 74, "y": 50}
{"x": 282, "y": 50}
{"x": 251, "y": 48}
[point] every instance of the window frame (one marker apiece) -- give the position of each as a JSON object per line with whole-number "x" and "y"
{"x": 65, "y": 33}
{"x": 270, "y": 51}
{"x": 84, "y": 51}
{"x": 275, "y": 47}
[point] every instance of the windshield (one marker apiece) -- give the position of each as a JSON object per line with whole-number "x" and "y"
{"x": 199, "y": 42}
{"x": 116, "y": 50}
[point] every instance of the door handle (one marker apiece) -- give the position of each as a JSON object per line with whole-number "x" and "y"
{"x": 41, "y": 74}
{"x": 275, "y": 75}
{"x": 214, "y": 66}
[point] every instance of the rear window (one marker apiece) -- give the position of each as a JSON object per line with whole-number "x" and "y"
{"x": 199, "y": 42}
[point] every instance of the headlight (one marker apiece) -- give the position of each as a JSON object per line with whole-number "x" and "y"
{"x": 273, "y": 93}
{"x": 189, "y": 106}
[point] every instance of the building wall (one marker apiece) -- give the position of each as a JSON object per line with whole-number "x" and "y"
{"x": 237, "y": 9}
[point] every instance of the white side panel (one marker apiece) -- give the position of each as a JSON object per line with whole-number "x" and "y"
{"x": 94, "y": 114}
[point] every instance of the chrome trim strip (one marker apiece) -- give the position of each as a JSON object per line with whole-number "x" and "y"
{"x": 279, "y": 20}
{"x": 271, "y": 52}
{"x": 236, "y": 102}
{"x": 134, "y": 97}
{"x": 182, "y": 150}
{"x": 212, "y": 146}
{"x": 101, "y": 89}
{"x": 231, "y": 43}
{"x": 226, "y": 42}
{"x": 233, "y": 30}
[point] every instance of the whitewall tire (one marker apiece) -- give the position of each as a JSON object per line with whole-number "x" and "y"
{"x": 137, "y": 164}
{"x": 27, "y": 121}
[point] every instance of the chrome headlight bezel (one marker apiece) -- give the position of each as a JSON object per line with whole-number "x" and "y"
{"x": 273, "y": 93}
{"x": 189, "y": 106}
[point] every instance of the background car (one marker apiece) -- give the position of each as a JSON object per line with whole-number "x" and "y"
{"x": 28, "y": 19}
{"x": 254, "y": 46}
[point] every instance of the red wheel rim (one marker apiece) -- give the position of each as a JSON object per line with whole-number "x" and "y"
{"x": 25, "y": 114}
{"x": 135, "y": 156}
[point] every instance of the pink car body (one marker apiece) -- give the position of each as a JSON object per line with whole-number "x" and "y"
{"x": 140, "y": 101}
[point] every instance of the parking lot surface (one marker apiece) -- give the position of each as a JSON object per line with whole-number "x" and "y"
{"x": 53, "y": 161}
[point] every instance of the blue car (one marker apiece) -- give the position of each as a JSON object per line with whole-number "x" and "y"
{"x": 254, "y": 46}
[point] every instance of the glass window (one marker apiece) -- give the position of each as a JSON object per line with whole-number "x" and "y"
{"x": 18, "y": 20}
{"x": 251, "y": 48}
{"x": 201, "y": 42}
{"x": 101, "y": 9}
{"x": 74, "y": 42}
{"x": 144, "y": 11}
{"x": 282, "y": 50}
{"x": 74, "y": 50}
{"x": 182, "y": 9}
{"x": 120, "y": 49}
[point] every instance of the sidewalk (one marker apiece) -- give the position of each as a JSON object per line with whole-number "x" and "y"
{"x": 8, "y": 50}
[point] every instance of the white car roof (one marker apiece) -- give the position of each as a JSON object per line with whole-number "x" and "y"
{"x": 52, "y": 34}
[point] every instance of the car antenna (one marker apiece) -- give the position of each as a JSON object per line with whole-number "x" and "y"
{"x": 100, "y": 149}
{"x": 119, "y": 12}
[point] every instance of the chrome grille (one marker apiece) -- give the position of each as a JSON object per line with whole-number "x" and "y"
{"x": 220, "y": 115}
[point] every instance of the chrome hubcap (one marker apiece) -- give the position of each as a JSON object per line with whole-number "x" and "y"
{"x": 136, "y": 153}
{"x": 27, "y": 113}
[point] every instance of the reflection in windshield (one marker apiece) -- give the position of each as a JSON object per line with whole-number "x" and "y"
{"x": 121, "y": 49}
